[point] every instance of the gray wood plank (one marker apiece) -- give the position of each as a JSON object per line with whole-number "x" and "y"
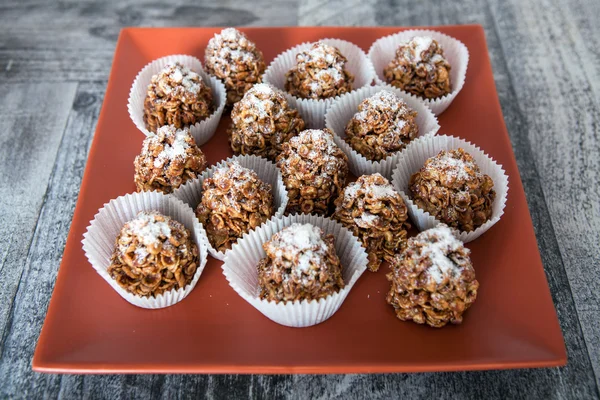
{"x": 40, "y": 264}
{"x": 31, "y": 128}
{"x": 558, "y": 94}
{"x": 75, "y": 40}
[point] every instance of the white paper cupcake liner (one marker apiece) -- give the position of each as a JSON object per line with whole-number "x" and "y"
{"x": 201, "y": 131}
{"x": 311, "y": 110}
{"x": 100, "y": 237}
{"x": 383, "y": 51}
{"x": 414, "y": 157}
{"x": 191, "y": 192}
{"x": 343, "y": 109}
{"x": 240, "y": 269}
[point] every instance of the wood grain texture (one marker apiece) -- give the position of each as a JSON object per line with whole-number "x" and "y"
{"x": 75, "y": 40}
{"x": 547, "y": 71}
{"x": 31, "y": 128}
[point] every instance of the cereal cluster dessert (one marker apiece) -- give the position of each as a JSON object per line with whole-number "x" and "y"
{"x": 383, "y": 125}
{"x": 153, "y": 254}
{"x": 420, "y": 68}
{"x": 301, "y": 264}
{"x": 452, "y": 189}
{"x": 375, "y": 212}
{"x": 314, "y": 171}
{"x": 234, "y": 201}
{"x": 433, "y": 280}
{"x": 177, "y": 96}
{"x": 319, "y": 74}
{"x": 168, "y": 159}
{"x": 262, "y": 121}
{"x": 233, "y": 58}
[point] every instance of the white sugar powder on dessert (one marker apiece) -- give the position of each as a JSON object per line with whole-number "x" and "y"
{"x": 181, "y": 76}
{"x": 177, "y": 148}
{"x": 377, "y": 191}
{"x": 437, "y": 243}
{"x": 148, "y": 230}
{"x": 302, "y": 242}
{"x": 454, "y": 167}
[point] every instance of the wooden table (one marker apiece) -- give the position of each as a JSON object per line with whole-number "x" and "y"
{"x": 54, "y": 63}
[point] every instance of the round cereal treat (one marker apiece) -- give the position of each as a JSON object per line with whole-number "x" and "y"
{"x": 314, "y": 171}
{"x": 319, "y": 73}
{"x": 234, "y": 201}
{"x": 231, "y": 57}
{"x": 433, "y": 280}
{"x": 383, "y": 125}
{"x": 153, "y": 255}
{"x": 168, "y": 159}
{"x": 453, "y": 190}
{"x": 420, "y": 68}
{"x": 177, "y": 96}
{"x": 262, "y": 121}
{"x": 373, "y": 210}
{"x": 301, "y": 264}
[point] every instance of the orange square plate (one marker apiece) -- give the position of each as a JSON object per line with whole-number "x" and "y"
{"x": 89, "y": 328}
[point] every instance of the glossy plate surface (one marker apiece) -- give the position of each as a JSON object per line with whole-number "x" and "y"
{"x": 89, "y": 328}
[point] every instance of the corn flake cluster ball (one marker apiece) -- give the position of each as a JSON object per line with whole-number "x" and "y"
{"x": 420, "y": 68}
{"x": 153, "y": 254}
{"x": 383, "y": 125}
{"x": 177, "y": 96}
{"x": 301, "y": 264}
{"x": 168, "y": 159}
{"x": 433, "y": 280}
{"x": 314, "y": 171}
{"x": 231, "y": 57}
{"x": 262, "y": 121}
{"x": 234, "y": 201}
{"x": 373, "y": 210}
{"x": 319, "y": 74}
{"x": 451, "y": 187}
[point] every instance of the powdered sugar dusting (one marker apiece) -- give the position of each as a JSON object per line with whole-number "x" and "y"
{"x": 378, "y": 191}
{"x": 300, "y": 242}
{"x": 235, "y": 172}
{"x": 415, "y": 47}
{"x": 179, "y": 76}
{"x": 385, "y": 101}
{"x": 150, "y": 231}
{"x": 439, "y": 242}
{"x": 179, "y": 144}
{"x": 452, "y": 166}
{"x": 231, "y": 47}
{"x": 260, "y": 99}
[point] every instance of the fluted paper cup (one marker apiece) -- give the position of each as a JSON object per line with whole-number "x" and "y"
{"x": 414, "y": 157}
{"x": 312, "y": 110}
{"x": 240, "y": 269}
{"x": 101, "y": 235}
{"x": 383, "y": 51}
{"x": 343, "y": 109}
{"x": 201, "y": 131}
{"x": 191, "y": 192}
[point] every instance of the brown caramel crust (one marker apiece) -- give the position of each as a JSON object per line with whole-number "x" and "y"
{"x": 234, "y": 201}
{"x": 234, "y": 59}
{"x": 319, "y": 73}
{"x": 168, "y": 160}
{"x": 420, "y": 68}
{"x": 433, "y": 280}
{"x": 301, "y": 264}
{"x": 177, "y": 96}
{"x": 153, "y": 255}
{"x": 375, "y": 212}
{"x": 262, "y": 121}
{"x": 314, "y": 171}
{"x": 452, "y": 189}
{"x": 383, "y": 125}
